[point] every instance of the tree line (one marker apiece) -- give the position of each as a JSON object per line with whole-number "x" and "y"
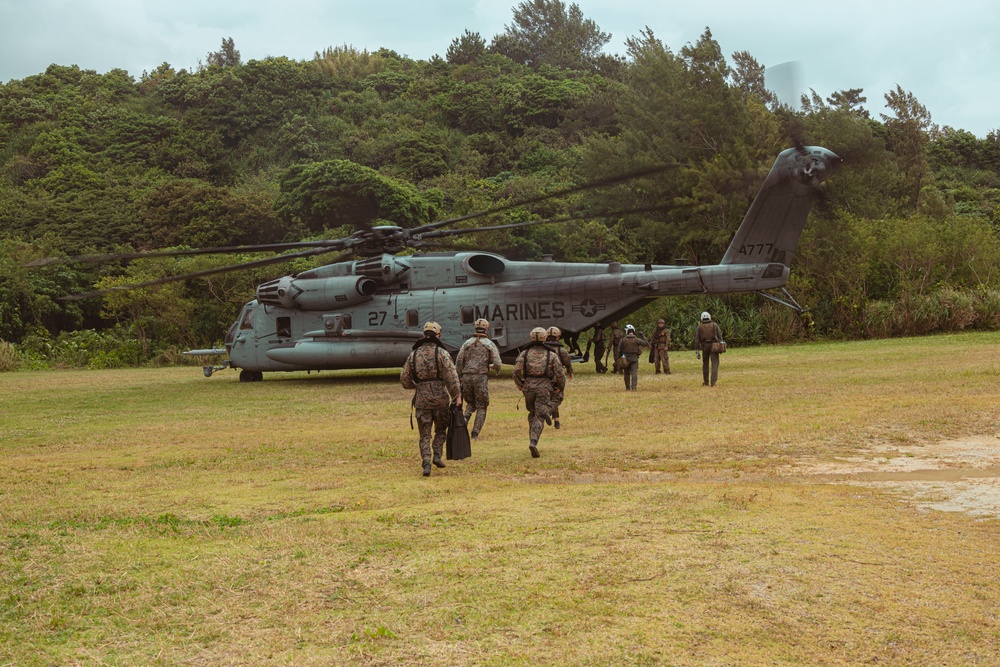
{"x": 904, "y": 240}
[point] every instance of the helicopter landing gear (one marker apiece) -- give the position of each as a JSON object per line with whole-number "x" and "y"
{"x": 251, "y": 376}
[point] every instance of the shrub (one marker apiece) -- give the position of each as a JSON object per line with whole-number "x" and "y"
{"x": 10, "y": 358}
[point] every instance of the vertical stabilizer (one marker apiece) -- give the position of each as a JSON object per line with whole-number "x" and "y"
{"x": 770, "y": 231}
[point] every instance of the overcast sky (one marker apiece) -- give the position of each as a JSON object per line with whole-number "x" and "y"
{"x": 946, "y": 53}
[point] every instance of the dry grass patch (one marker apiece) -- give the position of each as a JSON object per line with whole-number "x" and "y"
{"x": 157, "y": 517}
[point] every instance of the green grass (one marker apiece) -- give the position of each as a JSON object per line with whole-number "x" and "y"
{"x": 158, "y": 517}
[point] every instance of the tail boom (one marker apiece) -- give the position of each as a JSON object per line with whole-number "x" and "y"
{"x": 771, "y": 228}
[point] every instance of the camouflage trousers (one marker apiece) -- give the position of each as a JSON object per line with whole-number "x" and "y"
{"x": 476, "y": 396}
{"x": 555, "y": 400}
{"x": 537, "y": 398}
{"x": 661, "y": 356}
{"x": 439, "y": 418}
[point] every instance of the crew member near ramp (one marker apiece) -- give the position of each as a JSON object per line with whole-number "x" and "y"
{"x": 661, "y": 347}
{"x": 616, "y": 339}
{"x": 600, "y": 341}
{"x": 431, "y": 372}
{"x": 552, "y": 340}
{"x": 475, "y": 358}
{"x": 630, "y": 347}
{"x": 708, "y": 332}
{"x": 536, "y": 372}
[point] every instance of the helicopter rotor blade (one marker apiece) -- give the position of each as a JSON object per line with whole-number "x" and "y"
{"x": 600, "y": 183}
{"x": 207, "y": 272}
{"x": 442, "y": 233}
{"x": 327, "y": 244}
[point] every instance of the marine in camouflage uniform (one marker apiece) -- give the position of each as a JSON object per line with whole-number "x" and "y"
{"x": 661, "y": 347}
{"x": 431, "y": 372}
{"x": 600, "y": 341}
{"x": 630, "y": 347}
{"x": 536, "y": 372}
{"x": 558, "y": 395}
{"x": 616, "y": 339}
{"x": 475, "y": 358}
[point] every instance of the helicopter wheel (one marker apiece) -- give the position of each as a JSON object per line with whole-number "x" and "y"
{"x": 251, "y": 376}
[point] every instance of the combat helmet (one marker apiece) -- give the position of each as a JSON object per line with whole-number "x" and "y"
{"x": 432, "y": 328}
{"x": 553, "y": 332}
{"x": 629, "y": 329}
{"x": 482, "y": 325}
{"x": 538, "y": 335}
{"x": 705, "y": 317}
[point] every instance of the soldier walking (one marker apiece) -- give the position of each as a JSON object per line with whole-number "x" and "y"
{"x": 475, "y": 358}
{"x": 616, "y": 339}
{"x": 536, "y": 372}
{"x": 661, "y": 347}
{"x": 430, "y": 371}
{"x": 630, "y": 348}
{"x": 552, "y": 340}
{"x": 600, "y": 341}
{"x": 708, "y": 332}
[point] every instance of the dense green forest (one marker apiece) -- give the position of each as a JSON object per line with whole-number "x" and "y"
{"x": 904, "y": 241}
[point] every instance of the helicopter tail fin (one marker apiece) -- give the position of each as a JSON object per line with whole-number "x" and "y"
{"x": 770, "y": 230}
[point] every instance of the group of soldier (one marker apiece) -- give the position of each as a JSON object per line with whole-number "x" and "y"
{"x": 540, "y": 373}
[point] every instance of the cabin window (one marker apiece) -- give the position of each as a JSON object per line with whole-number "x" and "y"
{"x": 246, "y": 322}
{"x": 468, "y": 314}
{"x": 284, "y": 327}
{"x": 412, "y": 318}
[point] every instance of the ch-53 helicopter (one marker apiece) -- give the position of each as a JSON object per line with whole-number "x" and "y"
{"x": 368, "y": 313}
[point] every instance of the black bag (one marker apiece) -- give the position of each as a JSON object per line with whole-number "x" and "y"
{"x": 458, "y": 446}
{"x": 651, "y": 354}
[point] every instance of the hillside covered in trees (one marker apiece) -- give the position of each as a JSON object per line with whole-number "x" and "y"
{"x": 905, "y": 240}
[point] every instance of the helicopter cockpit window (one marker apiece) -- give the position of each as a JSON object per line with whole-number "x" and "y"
{"x": 412, "y": 318}
{"x": 468, "y": 314}
{"x": 246, "y": 322}
{"x": 284, "y": 327}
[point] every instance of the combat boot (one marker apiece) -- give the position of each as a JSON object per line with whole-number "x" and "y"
{"x": 427, "y": 468}
{"x": 438, "y": 462}
{"x": 534, "y": 449}
{"x": 555, "y": 422}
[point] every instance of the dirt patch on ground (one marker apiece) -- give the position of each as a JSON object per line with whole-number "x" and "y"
{"x": 951, "y": 476}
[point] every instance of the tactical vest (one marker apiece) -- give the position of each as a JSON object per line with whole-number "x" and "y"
{"x": 413, "y": 365}
{"x": 548, "y": 361}
{"x": 477, "y": 352}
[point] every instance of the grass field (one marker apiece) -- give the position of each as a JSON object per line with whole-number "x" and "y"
{"x": 156, "y": 517}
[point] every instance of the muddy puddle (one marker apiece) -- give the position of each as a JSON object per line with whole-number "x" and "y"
{"x": 952, "y": 476}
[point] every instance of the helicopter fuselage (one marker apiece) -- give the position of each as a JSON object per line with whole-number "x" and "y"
{"x": 378, "y": 321}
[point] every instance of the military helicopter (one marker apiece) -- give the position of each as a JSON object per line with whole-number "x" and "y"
{"x": 368, "y": 312}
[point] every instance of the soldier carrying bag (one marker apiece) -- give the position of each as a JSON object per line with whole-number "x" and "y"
{"x": 621, "y": 363}
{"x": 719, "y": 347}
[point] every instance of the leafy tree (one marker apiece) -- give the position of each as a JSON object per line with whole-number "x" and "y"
{"x": 908, "y": 131}
{"x": 226, "y": 56}
{"x": 547, "y": 32}
{"x": 466, "y": 49}
{"x": 333, "y": 193}
{"x": 747, "y": 75}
